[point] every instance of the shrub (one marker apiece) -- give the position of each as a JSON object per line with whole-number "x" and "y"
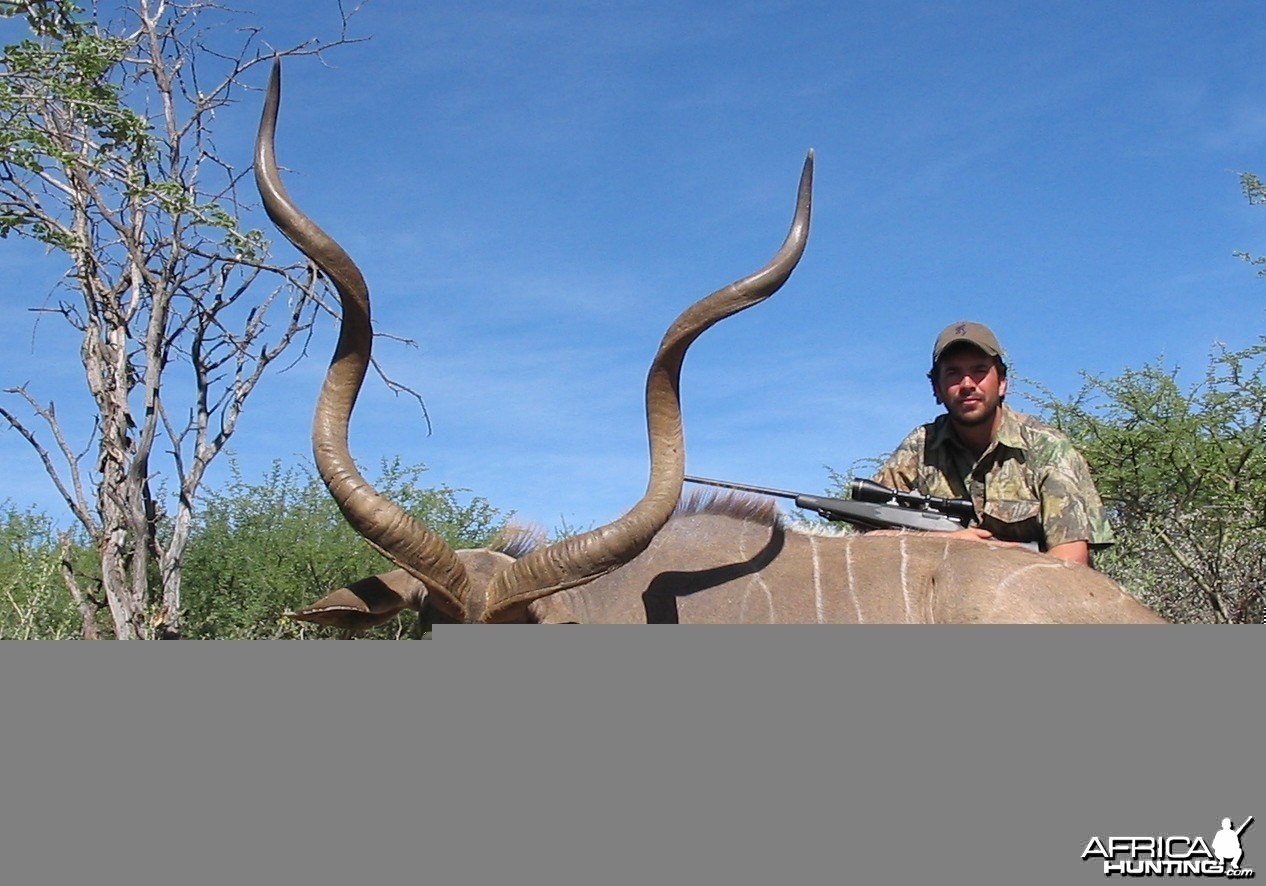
{"x": 262, "y": 549}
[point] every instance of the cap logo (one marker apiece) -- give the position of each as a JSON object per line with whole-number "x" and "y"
{"x": 960, "y": 329}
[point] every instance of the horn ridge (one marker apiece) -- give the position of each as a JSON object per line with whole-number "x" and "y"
{"x": 390, "y": 529}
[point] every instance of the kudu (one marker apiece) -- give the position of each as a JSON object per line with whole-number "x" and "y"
{"x": 726, "y": 561}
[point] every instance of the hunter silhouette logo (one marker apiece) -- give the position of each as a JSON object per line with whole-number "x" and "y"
{"x": 960, "y": 329}
{"x": 1174, "y": 855}
{"x": 1226, "y": 844}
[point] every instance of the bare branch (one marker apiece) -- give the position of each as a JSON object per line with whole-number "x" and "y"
{"x": 76, "y": 500}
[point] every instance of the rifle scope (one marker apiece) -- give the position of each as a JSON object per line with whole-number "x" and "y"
{"x": 868, "y": 490}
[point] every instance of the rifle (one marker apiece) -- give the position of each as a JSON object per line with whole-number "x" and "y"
{"x": 872, "y": 506}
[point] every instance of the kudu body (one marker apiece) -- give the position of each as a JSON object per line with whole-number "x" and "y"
{"x": 733, "y": 561}
{"x": 725, "y": 564}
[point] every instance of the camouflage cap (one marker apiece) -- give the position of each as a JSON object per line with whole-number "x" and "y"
{"x": 977, "y": 334}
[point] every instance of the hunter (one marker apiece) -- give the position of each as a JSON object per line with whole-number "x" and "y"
{"x": 1027, "y": 481}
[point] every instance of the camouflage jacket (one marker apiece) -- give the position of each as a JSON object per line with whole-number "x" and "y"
{"x": 1030, "y": 485}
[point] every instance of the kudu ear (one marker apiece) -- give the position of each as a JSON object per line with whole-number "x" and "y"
{"x": 366, "y": 603}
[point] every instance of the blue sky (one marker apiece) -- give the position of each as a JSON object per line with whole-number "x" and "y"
{"x": 534, "y": 190}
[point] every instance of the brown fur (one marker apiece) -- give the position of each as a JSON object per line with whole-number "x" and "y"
{"x": 713, "y": 568}
{"x": 713, "y": 565}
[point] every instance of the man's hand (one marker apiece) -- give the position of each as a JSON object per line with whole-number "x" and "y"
{"x": 973, "y": 533}
{"x": 1076, "y": 551}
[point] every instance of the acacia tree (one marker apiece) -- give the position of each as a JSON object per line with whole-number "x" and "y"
{"x": 107, "y": 158}
{"x": 1183, "y": 473}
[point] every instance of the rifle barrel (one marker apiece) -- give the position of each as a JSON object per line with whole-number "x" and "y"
{"x": 743, "y": 487}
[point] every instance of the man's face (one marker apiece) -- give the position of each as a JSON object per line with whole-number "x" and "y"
{"x": 968, "y": 383}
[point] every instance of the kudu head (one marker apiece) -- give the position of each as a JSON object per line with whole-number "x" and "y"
{"x": 479, "y": 586}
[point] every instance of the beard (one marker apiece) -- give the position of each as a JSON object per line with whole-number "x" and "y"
{"x": 975, "y": 419}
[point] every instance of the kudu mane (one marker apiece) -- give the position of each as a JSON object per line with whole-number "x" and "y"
{"x": 739, "y": 505}
{"x": 519, "y": 541}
